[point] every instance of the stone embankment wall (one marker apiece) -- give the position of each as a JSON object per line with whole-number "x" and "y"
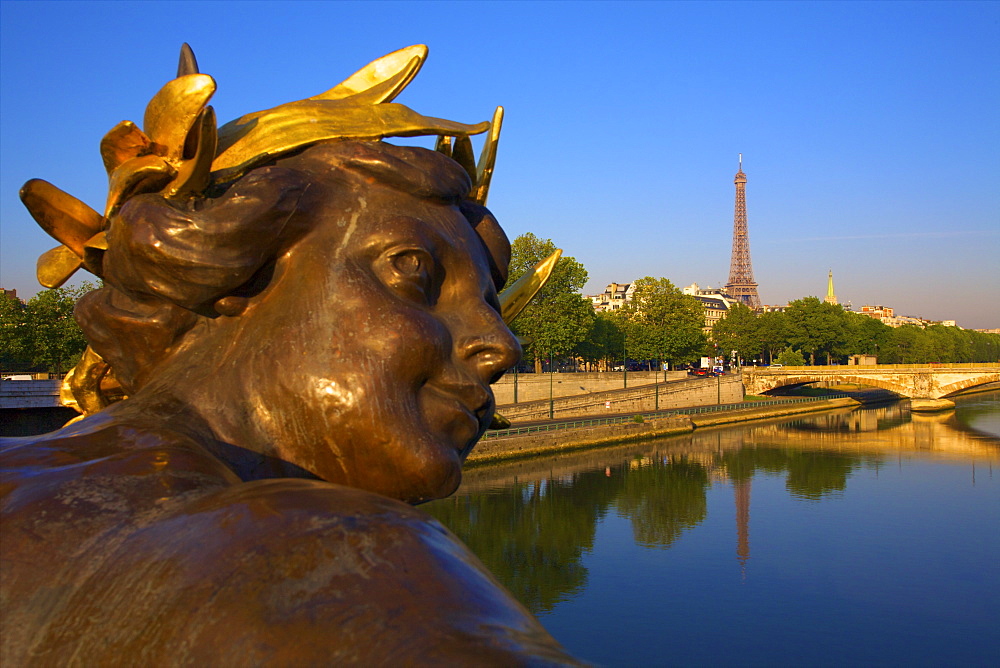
{"x": 687, "y": 391}
{"x": 29, "y": 393}
{"x": 542, "y": 443}
{"x": 535, "y": 386}
{"x": 553, "y": 442}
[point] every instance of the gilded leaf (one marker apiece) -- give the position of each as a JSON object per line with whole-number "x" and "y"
{"x": 487, "y": 159}
{"x": 56, "y": 266}
{"x": 388, "y": 75}
{"x": 249, "y": 141}
{"x": 174, "y": 109}
{"x": 61, "y": 215}
{"x": 122, "y": 143}
{"x": 149, "y": 173}
{"x": 516, "y": 297}
{"x": 193, "y": 173}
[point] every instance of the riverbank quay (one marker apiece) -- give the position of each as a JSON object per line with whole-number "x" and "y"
{"x": 520, "y": 388}
{"x": 560, "y": 436}
{"x": 27, "y": 393}
{"x": 680, "y": 392}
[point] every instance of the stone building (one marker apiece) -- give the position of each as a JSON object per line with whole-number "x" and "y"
{"x": 888, "y": 317}
{"x": 614, "y": 297}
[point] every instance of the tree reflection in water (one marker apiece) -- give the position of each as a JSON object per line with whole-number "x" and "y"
{"x": 532, "y": 534}
{"x": 663, "y": 499}
{"x": 810, "y": 474}
{"x": 532, "y": 530}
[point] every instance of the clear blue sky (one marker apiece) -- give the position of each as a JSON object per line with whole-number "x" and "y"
{"x": 870, "y": 132}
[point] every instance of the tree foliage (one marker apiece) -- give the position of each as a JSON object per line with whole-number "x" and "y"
{"x": 772, "y": 333}
{"x": 42, "y": 334}
{"x": 739, "y": 330}
{"x": 817, "y": 329}
{"x": 603, "y": 342}
{"x": 559, "y": 317}
{"x": 663, "y": 323}
{"x": 14, "y": 355}
{"x": 789, "y": 357}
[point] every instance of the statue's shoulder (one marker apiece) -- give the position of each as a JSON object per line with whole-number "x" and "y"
{"x": 351, "y": 576}
{"x": 117, "y": 467}
{"x": 295, "y": 571}
{"x": 152, "y": 550}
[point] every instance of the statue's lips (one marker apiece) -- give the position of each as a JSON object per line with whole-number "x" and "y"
{"x": 456, "y": 416}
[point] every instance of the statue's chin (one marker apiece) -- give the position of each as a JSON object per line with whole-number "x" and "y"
{"x": 435, "y": 480}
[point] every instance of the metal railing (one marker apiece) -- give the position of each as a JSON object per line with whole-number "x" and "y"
{"x": 654, "y": 415}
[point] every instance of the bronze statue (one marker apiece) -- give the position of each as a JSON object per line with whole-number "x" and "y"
{"x": 295, "y": 340}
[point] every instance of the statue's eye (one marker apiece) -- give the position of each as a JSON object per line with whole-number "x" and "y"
{"x": 408, "y": 263}
{"x": 410, "y": 273}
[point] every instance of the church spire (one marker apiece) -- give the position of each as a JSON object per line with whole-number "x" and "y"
{"x": 831, "y": 298}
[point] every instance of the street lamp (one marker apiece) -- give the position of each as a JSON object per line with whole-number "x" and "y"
{"x": 656, "y": 405}
{"x": 624, "y": 358}
{"x": 551, "y": 405}
{"x": 515, "y": 382}
{"x": 718, "y": 387}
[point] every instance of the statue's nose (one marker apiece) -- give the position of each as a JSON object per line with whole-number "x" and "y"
{"x": 493, "y": 349}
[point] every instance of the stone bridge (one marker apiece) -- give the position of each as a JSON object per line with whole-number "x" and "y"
{"x": 926, "y": 385}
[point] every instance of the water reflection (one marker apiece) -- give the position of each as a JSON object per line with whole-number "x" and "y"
{"x": 532, "y": 534}
{"x": 662, "y": 498}
{"x": 533, "y": 522}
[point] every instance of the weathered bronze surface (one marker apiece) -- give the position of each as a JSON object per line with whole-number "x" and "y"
{"x": 306, "y": 325}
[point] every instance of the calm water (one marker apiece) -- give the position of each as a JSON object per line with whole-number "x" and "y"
{"x": 866, "y": 538}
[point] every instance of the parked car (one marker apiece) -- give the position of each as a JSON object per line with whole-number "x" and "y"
{"x": 777, "y": 366}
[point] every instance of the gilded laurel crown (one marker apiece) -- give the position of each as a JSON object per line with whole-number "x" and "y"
{"x": 180, "y": 151}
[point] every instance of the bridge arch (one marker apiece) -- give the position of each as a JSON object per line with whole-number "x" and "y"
{"x": 805, "y": 379}
{"x": 966, "y": 383}
{"x": 917, "y": 381}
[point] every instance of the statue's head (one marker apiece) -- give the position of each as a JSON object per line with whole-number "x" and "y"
{"x": 330, "y": 298}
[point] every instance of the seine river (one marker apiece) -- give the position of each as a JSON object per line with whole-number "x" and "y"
{"x": 866, "y": 537}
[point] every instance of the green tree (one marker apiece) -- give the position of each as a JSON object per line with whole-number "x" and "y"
{"x": 603, "y": 342}
{"x": 984, "y": 347}
{"x": 15, "y": 351}
{"x": 815, "y": 327}
{"x": 941, "y": 344}
{"x": 559, "y": 317}
{"x": 662, "y": 322}
{"x": 865, "y": 335}
{"x": 45, "y": 333}
{"x": 789, "y": 357}
{"x": 739, "y": 330}
{"x": 905, "y": 345}
{"x": 772, "y": 328}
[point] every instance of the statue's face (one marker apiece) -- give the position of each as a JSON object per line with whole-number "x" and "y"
{"x": 371, "y": 354}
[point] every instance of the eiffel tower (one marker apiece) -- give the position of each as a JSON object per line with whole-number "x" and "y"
{"x": 741, "y": 286}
